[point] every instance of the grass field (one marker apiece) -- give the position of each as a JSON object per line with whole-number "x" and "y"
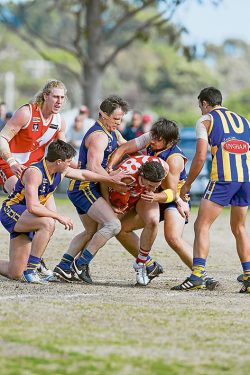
{"x": 113, "y": 327}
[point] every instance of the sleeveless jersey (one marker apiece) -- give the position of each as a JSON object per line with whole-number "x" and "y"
{"x": 29, "y": 144}
{"x": 131, "y": 167}
{"x": 166, "y": 155}
{"x": 228, "y": 136}
{"x": 45, "y": 190}
{"x": 83, "y": 154}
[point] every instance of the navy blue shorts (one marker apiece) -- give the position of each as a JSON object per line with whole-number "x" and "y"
{"x": 85, "y": 198}
{"x": 9, "y": 216}
{"x": 171, "y": 205}
{"x": 228, "y": 193}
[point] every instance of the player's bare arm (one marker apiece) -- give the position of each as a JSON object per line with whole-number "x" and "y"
{"x": 96, "y": 143}
{"x": 114, "y": 180}
{"x": 196, "y": 166}
{"x": 126, "y": 148}
{"x": 19, "y": 119}
{"x": 32, "y": 179}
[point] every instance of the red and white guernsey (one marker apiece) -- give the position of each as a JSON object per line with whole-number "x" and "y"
{"x": 29, "y": 144}
{"x": 131, "y": 167}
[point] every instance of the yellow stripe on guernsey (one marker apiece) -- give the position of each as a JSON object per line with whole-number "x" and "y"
{"x": 248, "y": 163}
{"x": 43, "y": 199}
{"x": 16, "y": 199}
{"x": 214, "y": 170}
{"x": 226, "y": 164}
{"x": 71, "y": 185}
{"x": 179, "y": 186}
{"x": 211, "y": 125}
{"x": 238, "y": 160}
{"x": 47, "y": 172}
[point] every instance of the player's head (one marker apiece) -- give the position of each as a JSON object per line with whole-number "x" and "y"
{"x": 52, "y": 86}
{"x": 151, "y": 174}
{"x": 111, "y": 112}
{"x": 60, "y": 150}
{"x": 165, "y": 133}
{"x": 208, "y": 98}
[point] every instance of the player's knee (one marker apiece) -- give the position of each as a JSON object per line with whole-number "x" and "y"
{"x": 152, "y": 221}
{"x": 48, "y": 225}
{"x": 237, "y": 230}
{"x": 172, "y": 240}
{"x": 111, "y": 228}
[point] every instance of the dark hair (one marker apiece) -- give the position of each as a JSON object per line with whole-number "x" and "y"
{"x": 167, "y": 130}
{"x": 152, "y": 171}
{"x": 60, "y": 150}
{"x": 211, "y": 95}
{"x": 113, "y": 102}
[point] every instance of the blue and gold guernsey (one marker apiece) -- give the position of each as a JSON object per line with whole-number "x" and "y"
{"x": 228, "y": 136}
{"x": 15, "y": 204}
{"x": 84, "y": 194}
{"x": 166, "y": 155}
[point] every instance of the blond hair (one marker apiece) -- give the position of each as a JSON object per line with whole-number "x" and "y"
{"x": 38, "y": 99}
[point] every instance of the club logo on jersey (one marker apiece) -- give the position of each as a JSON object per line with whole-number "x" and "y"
{"x": 35, "y": 127}
{"x": 236, "y": 146}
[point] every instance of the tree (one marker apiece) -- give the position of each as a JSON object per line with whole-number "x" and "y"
{"x": 84, "y": 37}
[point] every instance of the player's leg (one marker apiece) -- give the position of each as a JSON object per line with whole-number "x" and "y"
{"x": 130, "y": 221}
{"x": 239, "y": 209}
{"x": 131, "y": 242}
{"x": 63, "y": 269}
{"x": 207, "y": 214}
{"x": 149, "y": 214}
{"x": 102, "y": 213}
{"x": 19, "y": 251}
{"x": 44, "y": 228}
{"x": 174, "y": 225}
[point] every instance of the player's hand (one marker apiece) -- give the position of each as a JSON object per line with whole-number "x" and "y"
{"x": 118, "y": 182}
{"x": 17, "y": 169}
{"x": 120, "y": 210}
{"x": 148, "y": 196}
{"x": 183, "y": 208}
{"x": 66, "y": 221}
{"x": 184, "y": 193}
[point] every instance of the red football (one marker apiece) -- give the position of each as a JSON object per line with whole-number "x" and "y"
{"x": 118, "y": 199}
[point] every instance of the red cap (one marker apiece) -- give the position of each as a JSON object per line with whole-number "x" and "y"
{"x": 146, "y": 119}
{"x": 83, "y": 109}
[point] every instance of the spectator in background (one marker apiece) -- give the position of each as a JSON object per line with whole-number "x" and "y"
{"x": 8, "y": 116}
{"x": 131, "y": 130}
{"x": 3, "y": 111}
{"x": 82, "y": 123}
{"x": 75, "y": 134}
{"x": 86, "y": 120}
{"x": 147, "y": 122}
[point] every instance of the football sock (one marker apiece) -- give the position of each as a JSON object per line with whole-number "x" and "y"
{"x": 142, "y": 256}
{"x": 149, "y": 263}
{"x": 198, "y": 268}
{"x": 85, "y": 258}
{"x": 33, "y": 263}
{"x": 66, "y": 261}
{"x": 246, "y": 270}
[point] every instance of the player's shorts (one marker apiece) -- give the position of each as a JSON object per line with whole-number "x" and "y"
{"x": 83, "y": 199}
{"x": 9, "y": 216}
{"x": 169, "y": 206}
{"x": 228, "y": 193}
{"x": 5, "y": 173}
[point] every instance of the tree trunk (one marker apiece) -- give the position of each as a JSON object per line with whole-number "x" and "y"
{"x": 92, "y": 67}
